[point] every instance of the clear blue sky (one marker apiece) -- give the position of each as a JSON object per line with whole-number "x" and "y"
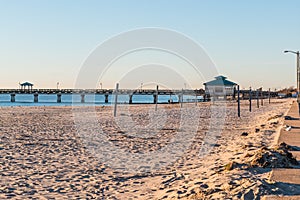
{"x": 46, "y": 41}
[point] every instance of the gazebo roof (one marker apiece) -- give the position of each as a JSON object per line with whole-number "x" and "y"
{"x": 26, "y": 84}
{"x": 220, "y": 81}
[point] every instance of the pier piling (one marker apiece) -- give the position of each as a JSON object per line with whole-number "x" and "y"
{"x": 59, "y": 98}
{"x": 130, "y": 98}
{"x": 106, "y": 98}
{"x": 36, "y": 98}
{"x": 82, "y": 98}
{"x": 13, "y": 97}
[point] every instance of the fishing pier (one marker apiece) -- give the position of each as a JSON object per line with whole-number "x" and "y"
{"x": 104, "y": 92}
{"x": 243, "y": 94}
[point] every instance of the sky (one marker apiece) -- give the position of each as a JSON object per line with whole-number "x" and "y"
{"x": 48, "y": 41}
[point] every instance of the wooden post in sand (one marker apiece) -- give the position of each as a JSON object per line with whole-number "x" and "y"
{"x": 262, "y": 97}
{"x": 116, "y": 99}
{"x": 156, "y": 98}
{"x": 257, "y": 100}
{"x": 238, "y": 99}
{"x": 130, "y": 98}
{"x": 106, "y": 98}
{"x": 234, "y": 92}
{"x": 269, "y": 95}
{"x": 250, "y": 100}
{"x": 181, "y": 98}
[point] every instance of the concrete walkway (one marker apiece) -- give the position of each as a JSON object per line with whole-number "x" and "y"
{"x": 292, "y": 137}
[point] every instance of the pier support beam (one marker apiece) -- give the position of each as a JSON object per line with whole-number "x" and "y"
{"x": 13, "y": 97}
{"x": 106, "y": 98}
{"x": 130, "y": 98}
{"x": 82, "y": 98}
{"x": 59, "y": 98}
{"x": 36, "y": 97}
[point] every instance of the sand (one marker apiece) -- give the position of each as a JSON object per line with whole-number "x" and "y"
{"x": 52, "y": 152}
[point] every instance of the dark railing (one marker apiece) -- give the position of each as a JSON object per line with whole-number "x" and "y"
{"x": 99, "y": 91}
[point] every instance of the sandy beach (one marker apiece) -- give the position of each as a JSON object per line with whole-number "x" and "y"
{"x": 44, "y": 156}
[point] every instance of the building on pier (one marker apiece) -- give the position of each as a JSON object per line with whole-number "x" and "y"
{"x": 220, "y": 88}
{"x": 26, "y": 84}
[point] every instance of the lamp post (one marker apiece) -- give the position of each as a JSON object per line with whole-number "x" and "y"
{"x": 57, "y": 85}
{"x": 101, "y": 86}
{"x": 298, "y": 74}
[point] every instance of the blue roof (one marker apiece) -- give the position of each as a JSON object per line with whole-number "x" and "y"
{"x": 220, "y": 80}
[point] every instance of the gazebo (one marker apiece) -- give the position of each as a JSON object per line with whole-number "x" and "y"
{"x": 220, "y": 87}
{"x": 26, "y": 84}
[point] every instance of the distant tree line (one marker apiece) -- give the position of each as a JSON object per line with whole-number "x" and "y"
{"x": 288, "y": 91}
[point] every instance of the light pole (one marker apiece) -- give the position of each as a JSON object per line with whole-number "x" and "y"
{"x": 298, "y": 74}
{"x": 101, "y": 86}
{"x": 57, "y": 85}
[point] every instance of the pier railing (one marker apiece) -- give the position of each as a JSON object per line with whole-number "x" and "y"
{"x": 99, "y": 91}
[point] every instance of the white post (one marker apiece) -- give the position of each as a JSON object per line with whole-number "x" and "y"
{"x": 116, "y": 99}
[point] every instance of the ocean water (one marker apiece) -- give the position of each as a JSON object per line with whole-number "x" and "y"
{"x": 90, "y": 99}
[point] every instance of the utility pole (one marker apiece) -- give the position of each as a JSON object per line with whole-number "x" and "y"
{"x": 298, "y": 74}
